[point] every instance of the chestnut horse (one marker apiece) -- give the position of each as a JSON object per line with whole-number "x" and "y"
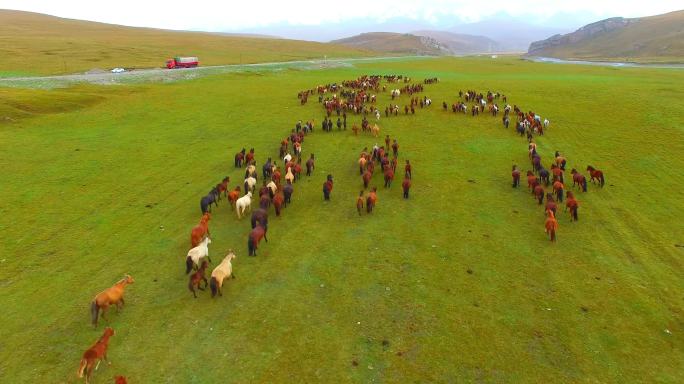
{"x": 551, "y": 225}
{"x": 389, "y": 176}
{"x": 531, "y": 180}
{"x": 371, "y": 200}
{"x": 201, "y": 230}
{"x": 278, "y": 200}
{"x": 366, "y": 178}
{"x": 571, "y": 204}
{"x": 254, "y": 238}
{"x": 94, "y": 355}
{"x": 596, "y": 175}
{"x": 359, "y": 203}
{"x": 579, "y": 180}
{"x": 233, "y": 196}
{"x": 112, "y": 295}
{"x": 197, "y": 278}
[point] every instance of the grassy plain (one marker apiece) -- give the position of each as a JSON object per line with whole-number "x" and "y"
{"x": 456, "y": 284}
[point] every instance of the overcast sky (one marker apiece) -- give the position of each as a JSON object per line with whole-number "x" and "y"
{"x": 239, "y": 15}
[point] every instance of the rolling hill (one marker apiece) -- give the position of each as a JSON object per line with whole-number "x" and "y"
{"x": 32, "y": 43}
{"x": 648, "y": 39}
{"x": 460, "y": 44}
{"x": 394, "y": 43}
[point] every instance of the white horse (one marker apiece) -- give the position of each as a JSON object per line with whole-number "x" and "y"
{"x": 220, "y": 273}
{"x": 251, "y": 170}
{"x": 243, "y": 203}
{"x": 396, "y": 93}
{"x": 428, "y": 102}
{"x": 377, "y": 114}
{"x": 289, "y": 176}
{"x": 546, "y": 123}
{"x": 250, "y": 184}
{"x": 195, "y": 255}
{"x": 287, "y": 158}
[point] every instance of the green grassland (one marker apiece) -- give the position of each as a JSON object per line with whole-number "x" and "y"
{"x": 41, "y": 44}
{"x": 456, "y": 284}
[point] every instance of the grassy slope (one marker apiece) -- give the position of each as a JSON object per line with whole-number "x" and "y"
{"x": 41, "y": 44}
{"x": 655, "y": 39}
{"x": 329, "y": 287}
{"x": 388, "y": 42}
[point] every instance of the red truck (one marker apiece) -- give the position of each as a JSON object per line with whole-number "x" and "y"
{"x": 182, "y": 62}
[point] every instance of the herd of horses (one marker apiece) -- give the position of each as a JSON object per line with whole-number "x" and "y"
{"x": 357, "y": 97}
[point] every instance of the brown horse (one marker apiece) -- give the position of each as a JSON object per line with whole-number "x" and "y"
{"x": 233, "y": 196}
{"x": 389, "y": 176}
{"x": 531, "y": 180}
{"x": 551, "y": 225}
{"x": 93, "y": 355}
{"x": 201, "y": 230}
{"x": 109, "y": 296}
{"x": 515, "y": 173}
{"x": 550, "y": 203}
{"x": 596, "y": 175}
{"x": 197, "y": 278}
{"x": 571, "y": 204}
{"x": 120, "y": 380}
{"x": 579, "y": 180}
{"x": 539, "y": 193}
{"x": 254, "y": 238}
{"x": 367, "y": 178}
{"x": 371, "y": 200}
{"x": 278, "y": 200}
{"x": 359, "y": 203}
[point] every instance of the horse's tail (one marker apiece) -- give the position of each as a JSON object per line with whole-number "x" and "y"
{"x": 213, "y": 286}
{"x": 602, "y": 179}
{"x": 188, "y": 264}
{"x": 82, "y": 367}
{"x": 94, "y": 312}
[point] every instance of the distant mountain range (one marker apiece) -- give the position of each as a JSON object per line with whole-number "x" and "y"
{"x": 394, "y": 43}
{"x": 647, "y": 39}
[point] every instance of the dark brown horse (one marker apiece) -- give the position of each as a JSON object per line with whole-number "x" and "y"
{"x": 596, "y": 175}
{"x": 579, "y": 180}
{"x": 254, "y": 238}
{"x": 371, "y": 200}
{"x": 197, "y": 278}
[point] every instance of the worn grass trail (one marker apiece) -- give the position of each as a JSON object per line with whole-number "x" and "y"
{"x": 114, "y": 188}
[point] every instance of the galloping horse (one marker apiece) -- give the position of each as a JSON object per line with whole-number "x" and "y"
{"x": 531, "y": 180}
{"x": 366, "y": 178}
{"x": 250, "y": 184}
{"x": 359, "y": 203}
{"x": 94, "y": 354}
{"x": 220, "y": 273}
{"x": 254, "y": 238}
{"x": 197, "y": 278}
{"x": 389, "y": 176}
{"x": 278, "y": 201}
{"x": 515, "y": 173}
{"x": 539, "y": 193}
{"x": 112, "y": 295}
{"x": 260, "y": 216}
{"x": 596, "y": 175}
{"x": 375, "y": 130}
{"x": 579, "y": 180}
{"x": 201, "y": 230}
{"x": 195, "y": 255}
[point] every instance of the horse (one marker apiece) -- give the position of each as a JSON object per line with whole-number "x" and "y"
{"x": 579, "y": 180}
{"x": 515, "y": 173}
{"x": 572, "y": 205}
{"x": 220, "y": 273}
{"x": 243, "y": 203}
{"x": 544, "y": 175}
{"x": 112, "y": 295}
{"x": 264, "y": 201}
{"x": 195, "y": 255}
{"x": 197, "y": 278}
{"x": 278, "y": 200}
{"x": 375, "y": 130}
{"x": 539, "y": 193}
{"x": 558, "y": 189}
{"x": 207, "y": 201}
{"x": 223, "y": 187}
{"x": 389, "y": 176}
{"x": 551, "y": 225}
{"x": 120, "y": 380}
{"x": 550, "y": 203}
{"x": 260, "y": 216}
{"x": 254, "y": 238}
{"x": 289, "y": 176}
{"x": 371, "y": 200}
{"x": 366, "y": 178}
{"x": 531, "y": 180}
{"x": 233, "y": 196}
{"x": 200, "y": 230}
{"x": 310, "y": 164}
{"x": 288, "y": 189}
{"x": 95, "y": 354}
{"x": 596, "y": 175}
{"x": 359, "y": 203}
{"x": 239, "y": 158}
